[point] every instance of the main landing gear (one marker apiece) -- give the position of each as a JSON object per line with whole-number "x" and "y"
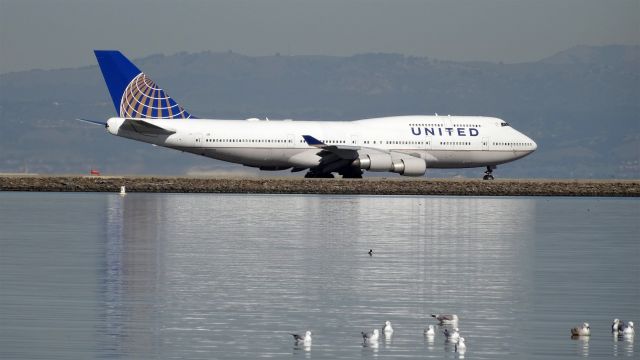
{"x": 488, "y": 174}
{"x": 346, "y": 173}
{"x": 318, "y": 175}
{"x": 351, "y": 173}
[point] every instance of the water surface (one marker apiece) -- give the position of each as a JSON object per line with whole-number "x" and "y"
{"x": 229, "y": 276}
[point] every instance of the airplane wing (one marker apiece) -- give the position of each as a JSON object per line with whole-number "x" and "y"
{"x": 336, "y": 157}
{"x": 145, "y": 128}
{"x": 343, "y": 151}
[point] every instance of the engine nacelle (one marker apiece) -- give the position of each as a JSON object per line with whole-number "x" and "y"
{"x": 407, "y": 166}
{"x": 410, "y": 166}
{"x": 374, "y": 162}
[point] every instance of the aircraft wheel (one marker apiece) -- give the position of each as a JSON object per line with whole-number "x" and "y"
{"x": 487, "y": 174}
{"x": 314, "y": 175}
{"x": 352, "y": 174}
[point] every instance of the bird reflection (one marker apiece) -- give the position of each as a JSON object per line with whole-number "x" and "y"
{"x": 429, "y": 336}
{"x": 373, "y": 345}
{"x": 387, "y": 339}
{"x": 429, "y": 340}
{"x": 449, "y": 346}
{"x": 582, "y": 344}
{"x": 461, "y": 348}
{"x": 461, "y": 352}
{"x": 306, "y": 347}
{"x": 628, "y": 345}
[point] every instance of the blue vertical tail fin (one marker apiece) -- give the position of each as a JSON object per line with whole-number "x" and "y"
{"x": 134, "y": 94}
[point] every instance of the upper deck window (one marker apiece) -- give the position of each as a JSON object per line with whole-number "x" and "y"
{"x": 504, "y": 123}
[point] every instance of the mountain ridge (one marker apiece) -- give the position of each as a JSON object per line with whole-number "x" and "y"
{"x": 585, "y": 93}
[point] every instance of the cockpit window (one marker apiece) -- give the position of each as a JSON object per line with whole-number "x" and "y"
{"x": 504, "y": 124}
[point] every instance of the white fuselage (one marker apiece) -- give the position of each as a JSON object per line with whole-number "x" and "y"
{"x": 441, "y": 141}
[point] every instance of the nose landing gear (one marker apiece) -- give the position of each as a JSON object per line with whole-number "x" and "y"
{"x": 488, "y": 174}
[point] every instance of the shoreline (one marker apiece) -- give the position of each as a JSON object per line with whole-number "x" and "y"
{"x": 367, "y": 186}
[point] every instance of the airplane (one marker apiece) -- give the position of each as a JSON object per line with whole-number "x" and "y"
{"x": 406, "y": 145}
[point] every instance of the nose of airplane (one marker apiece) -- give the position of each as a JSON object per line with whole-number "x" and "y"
{"x": 534, "y": 146}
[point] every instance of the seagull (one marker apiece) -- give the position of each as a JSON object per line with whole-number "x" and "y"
{"x": 387, "y": 329}
{"x": 617, "y": 324}
{"x": 452, "y": 336}
{"x": 627, "y": 329}
{"x": 430, "y": 331}
{"x": 306, "y": 339}
{"x": 370, "y": 252}
{"x": 583, "y": 330}
{"x": 370, "y": 336}
{"x": 446, "y": 318}
{"x": 460, "y": 346}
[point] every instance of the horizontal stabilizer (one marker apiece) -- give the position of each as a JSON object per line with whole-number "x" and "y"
{"x": 93, "y": 122}
{"x": 145, "y": 128}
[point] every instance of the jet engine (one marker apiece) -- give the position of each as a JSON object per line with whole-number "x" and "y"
{"x": 410, "y": 166}
{"x": 374, "y": 162}
{"x": 407, "y": 166}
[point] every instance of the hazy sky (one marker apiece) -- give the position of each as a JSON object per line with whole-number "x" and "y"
{"x": 62, "y": 33}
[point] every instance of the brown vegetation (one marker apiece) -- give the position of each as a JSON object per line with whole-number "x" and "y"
{"x": 378, "y": 186}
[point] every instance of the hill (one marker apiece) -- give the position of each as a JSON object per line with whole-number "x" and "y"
{"x": 580, "y": 105}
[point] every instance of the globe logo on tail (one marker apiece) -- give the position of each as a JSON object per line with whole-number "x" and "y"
{"x": 142, "y": 98}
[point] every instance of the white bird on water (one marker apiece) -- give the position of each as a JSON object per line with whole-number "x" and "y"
{"x": 452, "y": 336}
{"x": 387, "y": 329}
{"x": 306, "y": 339}
{"x": 446, "y": 318}
{"x": 370, "y": 336}
{"x": 582, "y": 330}
{"x": 617, "y": 324}
{"x": 627, "y": 329}
{"x": 430, "y": 331}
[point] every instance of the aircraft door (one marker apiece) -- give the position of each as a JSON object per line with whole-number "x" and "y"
{"x": 194, "y": 143}
{"x": 447, "y": 122}
{"x": 291, "y": 140}
{"x": 485, "y": 143}
{"x": 354, "y": 140}
{"x": 195, "y": 139}
{"x": 428, "y": 140}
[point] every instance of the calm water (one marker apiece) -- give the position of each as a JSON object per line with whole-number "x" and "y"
{"x": 229, "y": 276}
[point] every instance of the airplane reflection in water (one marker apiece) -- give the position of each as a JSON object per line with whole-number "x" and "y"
{"x": 188, "y": 266}
{"x": 186, "y": 275}
{"x": 132, "y": 274}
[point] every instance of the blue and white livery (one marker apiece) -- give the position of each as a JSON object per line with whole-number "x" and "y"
{"x": 406, "y": 145}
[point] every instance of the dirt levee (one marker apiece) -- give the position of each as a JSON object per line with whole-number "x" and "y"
{"x": 372, "y": 186}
